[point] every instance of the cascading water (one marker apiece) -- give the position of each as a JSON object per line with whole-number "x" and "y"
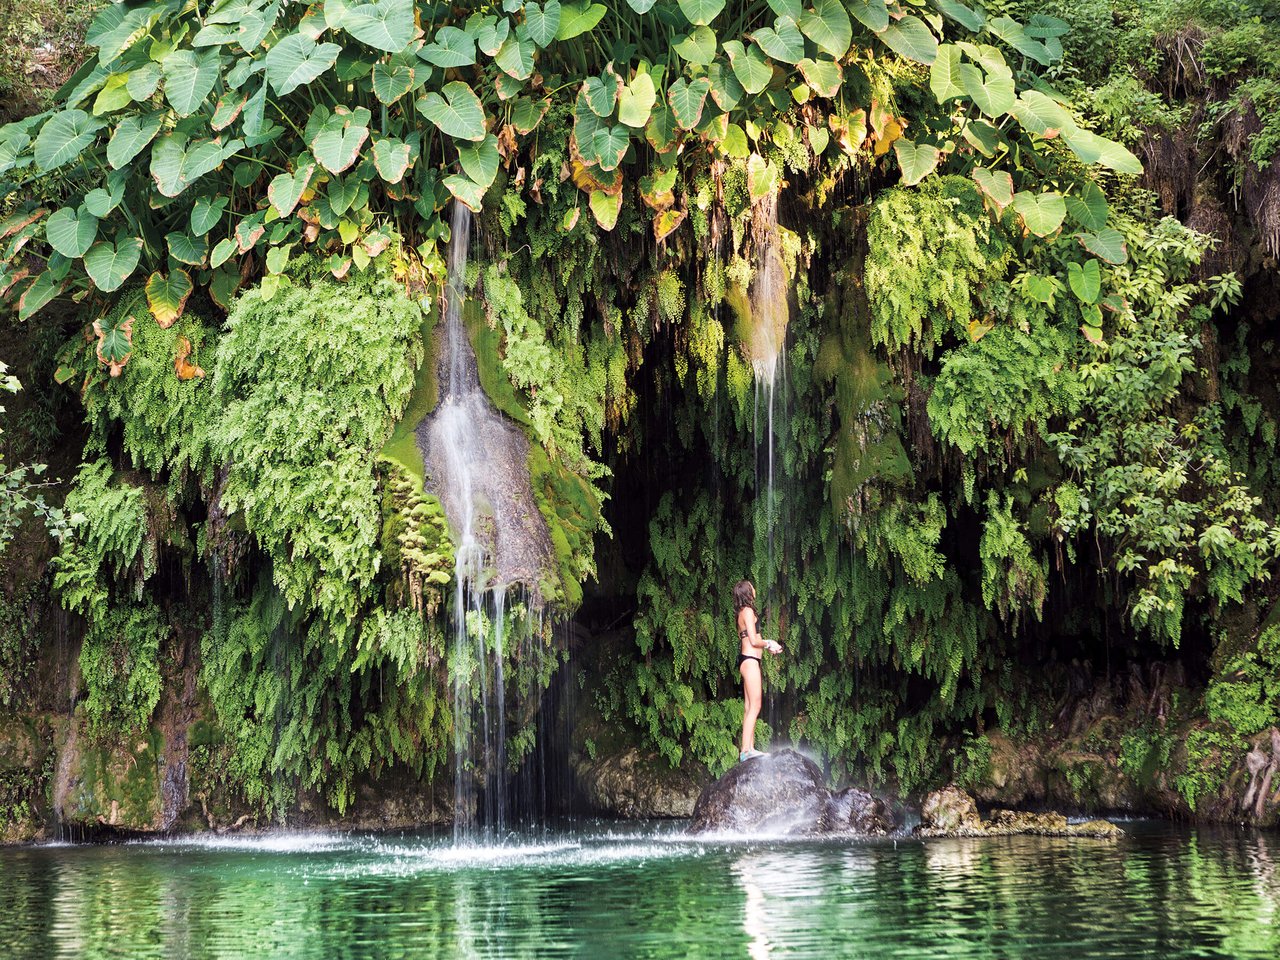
{"x": 477, "y": 464}
{"x": 770, "y": 314}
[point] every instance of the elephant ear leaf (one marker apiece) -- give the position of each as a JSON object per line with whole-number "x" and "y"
{"x": 167, "y": 296}
{"x": 71, "y": 233}
{"x": 384, "y": 24}
{"x": 828, "y": 25}
{"x": 456, "y": 111}
{"x": 64, "y": 137}
{"x": 115, "y": 343}
{"x": 109, "y": 265}
{"x": 916, "y": 160}
{"x": 1041, "y": 213}
{"x": 297, "y": 60}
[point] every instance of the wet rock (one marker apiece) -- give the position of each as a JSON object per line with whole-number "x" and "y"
{"x": 636, "y": 783}
{"x": 857, "y": 812}
{"x": 951, "y": 812}
{"x": 783, "y": 792}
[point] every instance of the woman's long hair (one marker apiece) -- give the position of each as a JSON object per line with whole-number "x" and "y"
{"x": 744, "y": 596}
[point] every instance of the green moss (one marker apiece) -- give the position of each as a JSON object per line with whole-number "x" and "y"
{"x": 571, "y": 508}
{"x": 402, "y": 448}
{"x": 486, "y": 341}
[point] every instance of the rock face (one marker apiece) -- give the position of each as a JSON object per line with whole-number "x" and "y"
{"x": 636, "y": 784}
{"x": 951, "y": 812}
{"x": 784, "y": 793}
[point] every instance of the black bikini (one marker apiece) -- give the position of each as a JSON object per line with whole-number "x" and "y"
{"x": 742, "y": 657}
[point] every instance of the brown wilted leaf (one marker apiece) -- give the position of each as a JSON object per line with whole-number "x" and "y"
{"x": 184, "y": 368}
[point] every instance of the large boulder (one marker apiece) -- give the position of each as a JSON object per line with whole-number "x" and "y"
{"x": 636, "y": 784}
{"x": 785, "y": 793}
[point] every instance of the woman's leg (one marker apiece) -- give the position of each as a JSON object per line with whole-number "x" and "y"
{"x": 751, "y": 707}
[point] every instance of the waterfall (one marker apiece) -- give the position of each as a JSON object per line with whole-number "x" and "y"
{"x": 477, "y": 463}
{"x": 769, "y": 313}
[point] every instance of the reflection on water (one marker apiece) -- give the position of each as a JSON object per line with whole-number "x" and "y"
{"x": 648, "y": 892}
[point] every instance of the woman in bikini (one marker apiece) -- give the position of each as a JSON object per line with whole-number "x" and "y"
{"x": 744, "y": 605}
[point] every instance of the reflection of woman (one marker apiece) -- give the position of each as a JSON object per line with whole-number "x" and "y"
{"x": 744, "y": 605}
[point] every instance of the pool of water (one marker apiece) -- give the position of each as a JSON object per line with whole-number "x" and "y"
{"x": 613, "y": 890}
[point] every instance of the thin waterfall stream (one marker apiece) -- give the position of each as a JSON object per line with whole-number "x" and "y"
{"x": 770, "y": 314}
{"x": 477, "y": 463}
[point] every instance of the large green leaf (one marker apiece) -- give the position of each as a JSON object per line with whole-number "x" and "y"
{"x": 823, "y": 76}
{"x": 115, "y": 343}
{"x": 1042, "y": 115}
{"x": 286, "y": 189}
{"x": 132, "y": 136}
{"x": 1090, "y": 209}
{"x": 872, "y": 14}
{"x": 762, "y": 177}
{"x": 641, "y": 6}
{"x": 117, "y": 28}
{"x": 701, "y": 12}
{"x": 189, "y": 78}
{"x": 109, "y": 265}
{"x": 64, "y": 137}
{"x": 787, "y": 8}
{"x": 916, "y": 160}
{"x": 71, "y": 232}
{"x": 636, "y": 100}
{"x": 1041, "y": 213}
{"x": 383, "y": 24}
{"x": 910, "y": 38}
{"x": 783, "y": 41}
{"x": 1012, "y": 33}
{"x": 945, "y": 79}
{"x": 605, "y": 207}
{"x": 609, "y": 145}
{"x": 468, "y": 193}
{"x": 601, "y": 93}
{"x": 578, "y": 18}
{"x": 1091, "y": 148}
{"x": 480, "y": 161}
{"x": 38, "y": 295}
{"x": 687, "y": 99}
{"x": 699, "y": 47}
{"x": 1086, "y": 281}
{"x": 206, "y": 212}
{"x": 526, "y": 115}
{"x": 997, "y": 185}
{"x": 186, "y": 248}
{"x": 750, "y": 66}
{"x": 725, "y": 88}
{"x": 490, "y": 32}
{"x": 297, "y": 60}
{"x": 391, "y": 158}
{"x": 176, "y": 162}
{"x": 391, "y": 82}
{"x": 457, "y": 112}
{"x": 450, "y": 47}
{"x": 515, "y": 56}
{"x": 1108, "y": 244}
{"x": 994, "y": 95}
{"x": 983, "y": 137}
{"x": 337, "y": 145}
{"x": 542, "y": 21}
{"x": 828, "y": 25}
{"x": 970, "y": 19}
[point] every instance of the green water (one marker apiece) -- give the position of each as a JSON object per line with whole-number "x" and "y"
{"x": 627, "y": 891}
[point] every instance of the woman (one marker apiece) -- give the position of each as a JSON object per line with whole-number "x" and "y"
{"x": 744, "y": 605}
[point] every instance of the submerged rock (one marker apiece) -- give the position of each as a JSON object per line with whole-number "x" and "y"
{"x": 950, "y": 812}
{"x": 784, "y": 792}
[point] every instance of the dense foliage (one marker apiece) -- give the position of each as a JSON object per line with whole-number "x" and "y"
{"x": 1014, "y": 417}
